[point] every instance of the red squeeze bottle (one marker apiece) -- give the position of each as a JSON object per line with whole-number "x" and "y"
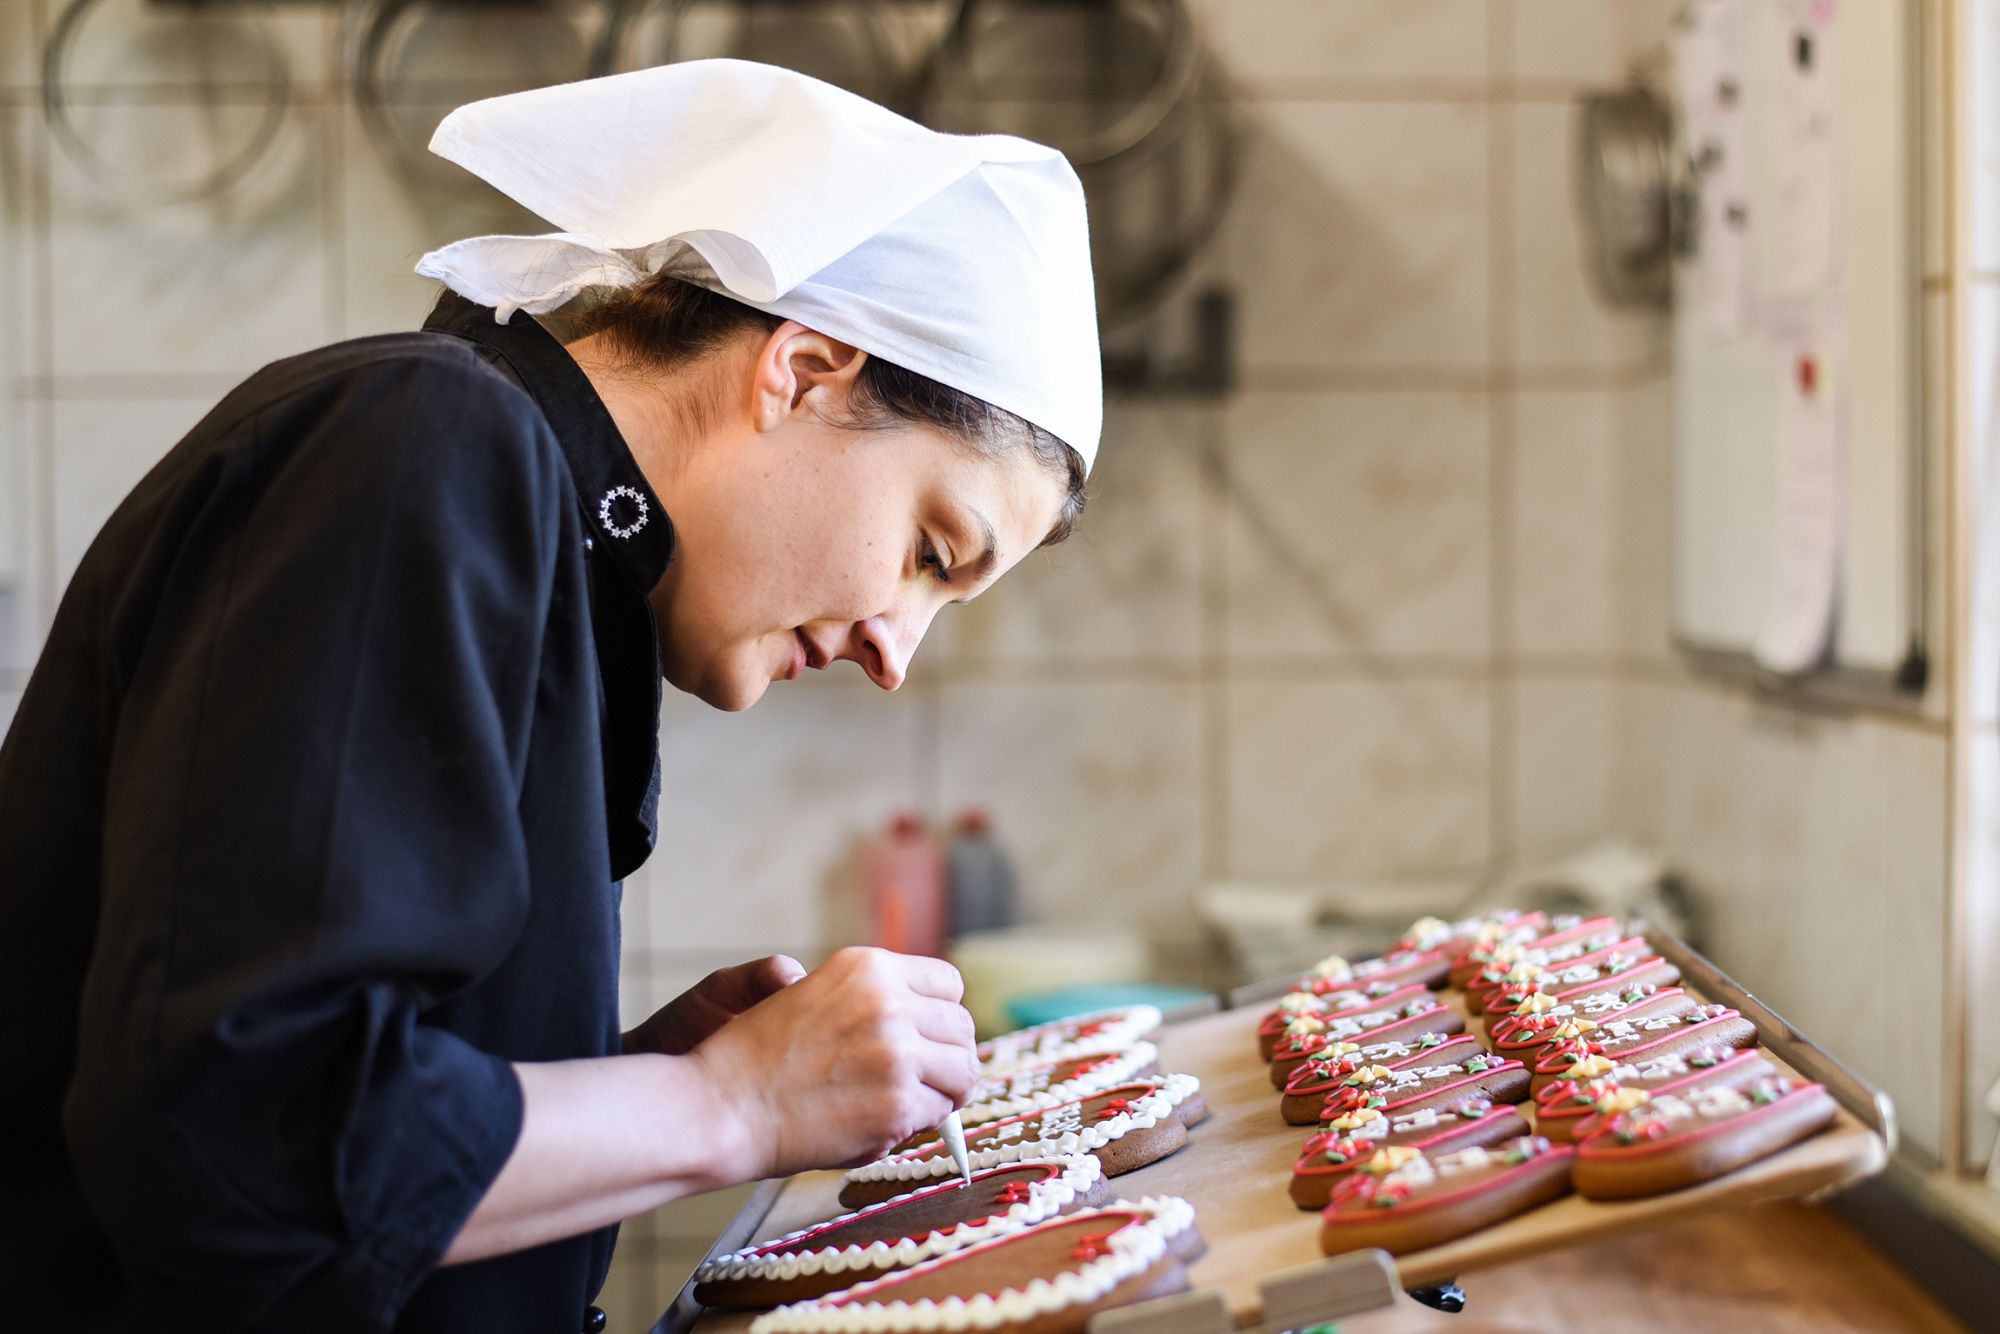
{"x": 903, "y": 868}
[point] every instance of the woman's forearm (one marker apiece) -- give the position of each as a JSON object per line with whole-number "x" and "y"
{"x": 602, "y": 1140}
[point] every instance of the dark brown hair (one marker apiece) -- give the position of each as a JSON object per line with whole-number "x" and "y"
{"x": 663, "y": 321}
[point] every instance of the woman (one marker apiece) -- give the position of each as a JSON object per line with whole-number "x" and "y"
{"x": 315, "y": 810}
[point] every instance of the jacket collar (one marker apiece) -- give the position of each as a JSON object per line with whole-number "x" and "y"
{"x": 624, "y": 516}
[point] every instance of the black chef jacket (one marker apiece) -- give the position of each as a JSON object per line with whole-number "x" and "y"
{"x": 312, "y": 819}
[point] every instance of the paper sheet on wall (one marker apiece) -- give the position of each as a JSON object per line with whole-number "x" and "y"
{"x": 1799, "y": 622}
{"x": 1709, "y": 65}
{"x": 1807, "y": 184}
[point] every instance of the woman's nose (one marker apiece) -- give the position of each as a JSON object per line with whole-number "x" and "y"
{"x": 885, "y": 645}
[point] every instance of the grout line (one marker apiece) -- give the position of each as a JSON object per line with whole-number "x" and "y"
{"x": 1212, "y": 698}
{"x": 1502, "y": 728}
{"x": 1956, "y": 1037}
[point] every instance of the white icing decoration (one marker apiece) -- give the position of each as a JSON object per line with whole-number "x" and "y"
{"x": 1000, "y": 1096}
{"x": 1045, "y": 1199}
{"x": 1010, "y": 1143}
{"x": 1060, "y": 1040}
{"x": 1134, "y": 1247}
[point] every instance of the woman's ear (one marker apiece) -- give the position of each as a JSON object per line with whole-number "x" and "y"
{"x": 793, "y": 363}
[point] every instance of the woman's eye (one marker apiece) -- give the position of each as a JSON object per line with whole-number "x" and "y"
{"x": 931, "y": 558}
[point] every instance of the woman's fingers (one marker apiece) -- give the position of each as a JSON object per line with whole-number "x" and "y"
{"x": 948, "y": 1069}
{"x": 930, "y": 977}
{"x": 943, "y": 1021}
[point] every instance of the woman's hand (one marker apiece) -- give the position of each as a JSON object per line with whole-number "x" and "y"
{"x": 855, "y": 1057}
{"x": 687, "y": 1021}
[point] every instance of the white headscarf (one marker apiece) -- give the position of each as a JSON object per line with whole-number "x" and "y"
{"x": 964, "y": 258}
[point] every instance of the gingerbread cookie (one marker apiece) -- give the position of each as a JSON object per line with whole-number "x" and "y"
{"x": 1047, "y": 1279}
{"x": 1581, "y": 1105}
{"x": 1526, "y": 962}
{"x": 1639, "y": 1034}
{"x": 1330, "y": 1155}
{"x": 1047, "y": 1083}
{"x": 1427, "y": 967}
{"x": 1079, "y": 1035}
{"x": 1627, "y": 964}
{"x": 1472, "y": 1073}
{"x": 1297, "y": 1006}
{"x": 1123, "y": 1127}
{"x": 1526, "y": 1035}
{"x": 1405, "y": 1014}
{"x": 896, "y": 1234}
{"x": 1477, "y": 952}
{"x": 1567, "y": 936}
{"x": 1404, "y": 1200}
{"x": 1455, "y": 938}
{"x": 1682, "y": 1139}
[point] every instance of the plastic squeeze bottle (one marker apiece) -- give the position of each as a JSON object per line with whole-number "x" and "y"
{"x": 983, "y": 892}
{"x": 904, "y": 871}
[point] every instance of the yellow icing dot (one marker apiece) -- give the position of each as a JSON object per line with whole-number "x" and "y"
{"x": 1332, "y": 966}
{"x": 1428, "y": 929}
{"x": 1388, "y": 1160}
{"x": 1368, "y": 1074}
{"x": 1338, "y": 1049}
{"x": 1537, "y": 1003}
{"x": 1590, "y": 1067}
{"x": 1619, "y": 1100}
{"x": 1571, "y": 1028}
{"x": 1503, "y": 954}
{"x": 1355, "y": 1119}
{"x": 1523, "y": 972}
{"x": 1306, "y": 1023}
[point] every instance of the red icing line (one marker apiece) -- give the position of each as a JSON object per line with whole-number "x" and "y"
{"x": 1429, "y": 1202}
{"x": 1331, "y": 1169}
{"x": 1600, "y": 1145}
{"x": 1049, "y": 1172}
{"x": 1543, "y": 1067}
{"x": 865, "y": 1291}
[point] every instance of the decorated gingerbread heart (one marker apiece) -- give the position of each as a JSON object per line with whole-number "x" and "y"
{"x": 1079, "y": 1035}
{"x": 1588, "y": 1105}
{"x": 1512, "y": 935}
{"x": 1331, "y": 1154}
{"x": 913, "y": 1227}
{"x": 1305, "y": 1011}
{"x": 1123, "y": 1127}
{"x": 1048, "y": 1083}
{"x": 1053, "y": 1276}
{"x": 1338, "y": 1065}
{"x": 1639, "y": 1034}
{"x": 1405, "y": 1200}
{"x": 1679, "y": 1139}
{"x": 1476, "y": 1073}
{"x": 1404, "y": 1014}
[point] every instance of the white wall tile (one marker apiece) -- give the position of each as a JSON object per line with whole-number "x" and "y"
{"x": 1094, "y": 788}
{"x": 102, "y": 448}
{"x": 1558, "y": 319}
{"x": 220, "y": 287}
{"x": 1358, "y": 238}
{"x": 1568, "y": 41}
{"x": 1561, "y": 792}
{"x": 126, "y": 44}
{"x": 20, "y": 43}
{"x": 1267, "y": 44}
{"x": 1912, "y": 902}
{"x": 1126, "y": 586}
{"x": 760, "y": 812}
{"x": 1362, "y": 777}
{"x": 1564, "y": 520}
{"x": 1357, "y": 524}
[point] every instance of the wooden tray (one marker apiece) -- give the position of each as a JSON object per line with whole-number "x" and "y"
{"x": 1263, "y": 1269}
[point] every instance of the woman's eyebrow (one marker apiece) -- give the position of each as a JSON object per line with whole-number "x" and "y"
{"x": 988, "y": 560}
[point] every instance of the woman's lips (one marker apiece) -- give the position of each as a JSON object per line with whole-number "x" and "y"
{"x": 801, "y": 655}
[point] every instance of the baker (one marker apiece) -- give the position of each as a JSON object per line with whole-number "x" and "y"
{"x": 315, "y": 810}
